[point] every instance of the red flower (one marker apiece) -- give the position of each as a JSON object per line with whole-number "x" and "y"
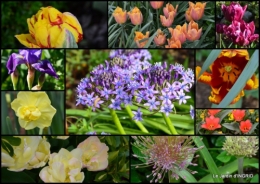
{"x": 239, "y": 114}
{"x": 213, "y": 112}
{"x": 211, "y": 123}
{"x": 245, "y": 126}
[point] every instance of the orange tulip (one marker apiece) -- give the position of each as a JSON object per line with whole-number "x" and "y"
{"x": 178, "y": 33}
{"x": 195, "y": 11}
{"x": 120, "y": 15}
{"x": 168, "y": 9}
{"x": 156, "y": 4}
{"x": 160, "y": 38}
{"x": 193, "y": 31}
{"x": 167, "y": 22}
{"x": 172, "y": 43}
{"x": 136, "y": 16}
{"x": 140, "y": 36}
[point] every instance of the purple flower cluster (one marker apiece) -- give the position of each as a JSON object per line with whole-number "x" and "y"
{"x": 239, "y": 32}
{"x": 128, "y": 78}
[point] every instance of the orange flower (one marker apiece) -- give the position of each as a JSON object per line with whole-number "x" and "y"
{"x": 160, "y": 38}
{"x": 193, "y": 31}
{"x": 224, "y": 72}
{"x": 156, "y": 4}
{"x": 245, "y": 126}
{"x": 195, "y": 11}
{"x": 136, "y": 16}
{"x": 172, "y": 43}
{"x": 178, "y": 33}
{"x": 239, "y": 114}
{"x": 167, "y": 22}
{"x": 213, "y": 112}
{"x": 139, "y": 36}
{"x": 168, "y": 9}
{"x": 120, "y": 15}
{"x": 211, "y": 123}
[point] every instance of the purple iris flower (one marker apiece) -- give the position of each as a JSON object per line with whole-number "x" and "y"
{"x": 30, "y": 57}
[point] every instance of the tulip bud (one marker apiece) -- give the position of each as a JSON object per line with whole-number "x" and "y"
{"x": 30, "y": 77}
{"x": 167, "y": 22}
{"x": 195, "y": 11}
{"x": 193, "y": 31}
{"x": 168, "y": 9}
{"x": 156, "y": 4}
{"x": 120, "y": 15}
{"x": 160, "y": 38}
{"x": 15, "y": 77}
{"x": 140, "y": 36}
{"x": 136, "y": 16}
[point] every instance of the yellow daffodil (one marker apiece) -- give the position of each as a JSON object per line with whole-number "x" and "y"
{"x": 33, "y": 109}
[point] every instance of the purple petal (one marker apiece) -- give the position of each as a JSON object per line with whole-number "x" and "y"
{"x": 31, "y": 55}
{"x": 46, "y": 67}
{"x": 13, "y": 61}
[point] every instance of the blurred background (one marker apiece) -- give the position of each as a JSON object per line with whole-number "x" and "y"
{"x": 92, "y": 16}
{"x": 250, "y": 100}
{"x": 55, "y": 56}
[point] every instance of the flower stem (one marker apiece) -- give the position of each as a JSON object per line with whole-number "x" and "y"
{"x": 157, "y": 17}
{"x": 171, "y": 179}
{"x": 138, "y": 123}
{"x": 240, "y": 169}
{"x": 40, "y": 131}
{"x": 220, "y": 41}
{"x": 169, "y": 123}
{"x": 117, "y": 121}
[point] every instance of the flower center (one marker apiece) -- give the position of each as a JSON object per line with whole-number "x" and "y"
{"x": 228, "y": 68}
{"x": 28, "y": 113}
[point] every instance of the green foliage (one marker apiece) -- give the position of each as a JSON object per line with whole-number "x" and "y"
{"x": 122, "y": 36}
{"x": 56, "y": 57}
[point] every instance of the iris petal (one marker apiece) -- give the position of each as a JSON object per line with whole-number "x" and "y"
{"x": 46, "y": 67}
{"x": 13, "y": 61}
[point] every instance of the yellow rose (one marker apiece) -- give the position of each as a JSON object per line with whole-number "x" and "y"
{"x": 63, "y": 167}
{"x": 33, "y": 109}
{"x": 95, "y": 156}
{"x": 33, "y": 152}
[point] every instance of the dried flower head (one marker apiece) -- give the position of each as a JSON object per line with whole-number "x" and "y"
{"x": 165, "y": 153}
{"x": 241, "y": 146}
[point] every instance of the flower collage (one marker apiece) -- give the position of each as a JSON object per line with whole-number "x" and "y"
{"x": 130, "y": 92}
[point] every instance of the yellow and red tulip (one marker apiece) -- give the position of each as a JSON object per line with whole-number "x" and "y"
{"x": 50, "y": 28}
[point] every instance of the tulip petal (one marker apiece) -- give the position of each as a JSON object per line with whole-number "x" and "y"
{"x": 69, "y": 41}
{"x": 27, "y": 40}
{"x": 13, "y": 61}
{"x": 72, "y": 24}
{"x": 46, "y": 67}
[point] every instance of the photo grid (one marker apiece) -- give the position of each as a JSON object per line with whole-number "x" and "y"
{"x": 130, "y": 92}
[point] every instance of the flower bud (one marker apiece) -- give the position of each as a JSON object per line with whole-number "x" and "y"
{"x": 136, "y": 16}
{"x": 30, "y": 77}
{"x": 195, "y": 11}
{"x": 156, "y": 4}
{"x": 15, "y": 77}
{"x": 193, "y": 32}
{"x": 120, "y": 15}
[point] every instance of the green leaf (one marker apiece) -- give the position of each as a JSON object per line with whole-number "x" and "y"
{"x": 69, "y": 41}
{"x": 255, "y": 179}
{"x": 187, "y": 176}
{"x": 223, "y": 157}
{"x": 15, "y": 177}
{"x": 138, "y": 153}
{"x": 14, "y": 141}
{"x": 101, "y": 176}
{"x": 223, "y": 114}
{"x": 246, "y": 74}
{"x": 210, "y": 59}
{"x": 112, "y": 155}
{"x": 253, "y": 128}
{"x": 232, "y": 126}
{"x": 7, "y": 147}
{"x": 255, "y": 165}
{"x": 213, "y": 169}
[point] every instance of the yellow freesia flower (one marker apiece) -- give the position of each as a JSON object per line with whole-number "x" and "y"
{"x": 50, "y": 28}
{"x": 33, "y": 109}
{"x": 95, "y": 156}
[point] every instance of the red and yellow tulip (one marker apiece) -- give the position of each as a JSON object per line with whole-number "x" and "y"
{"x": 50, "y": 28}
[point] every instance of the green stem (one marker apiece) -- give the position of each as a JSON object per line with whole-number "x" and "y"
{"x": 117, "y": 121}
{"x": 40, "y": 131}
{"x": 171, "y": 179}
{"x": 240, "y": 169}
{"x": 220, "y": 41}
{"x": 157, "y": 17}
{"x": 138, "y": 123}
{"x": 169, "y": 123}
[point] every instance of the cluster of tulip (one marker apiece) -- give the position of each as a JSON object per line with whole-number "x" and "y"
{"x": 234, "y": 28}
{"x": 237, "y": 121}
{"x": 178, "y": 35}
